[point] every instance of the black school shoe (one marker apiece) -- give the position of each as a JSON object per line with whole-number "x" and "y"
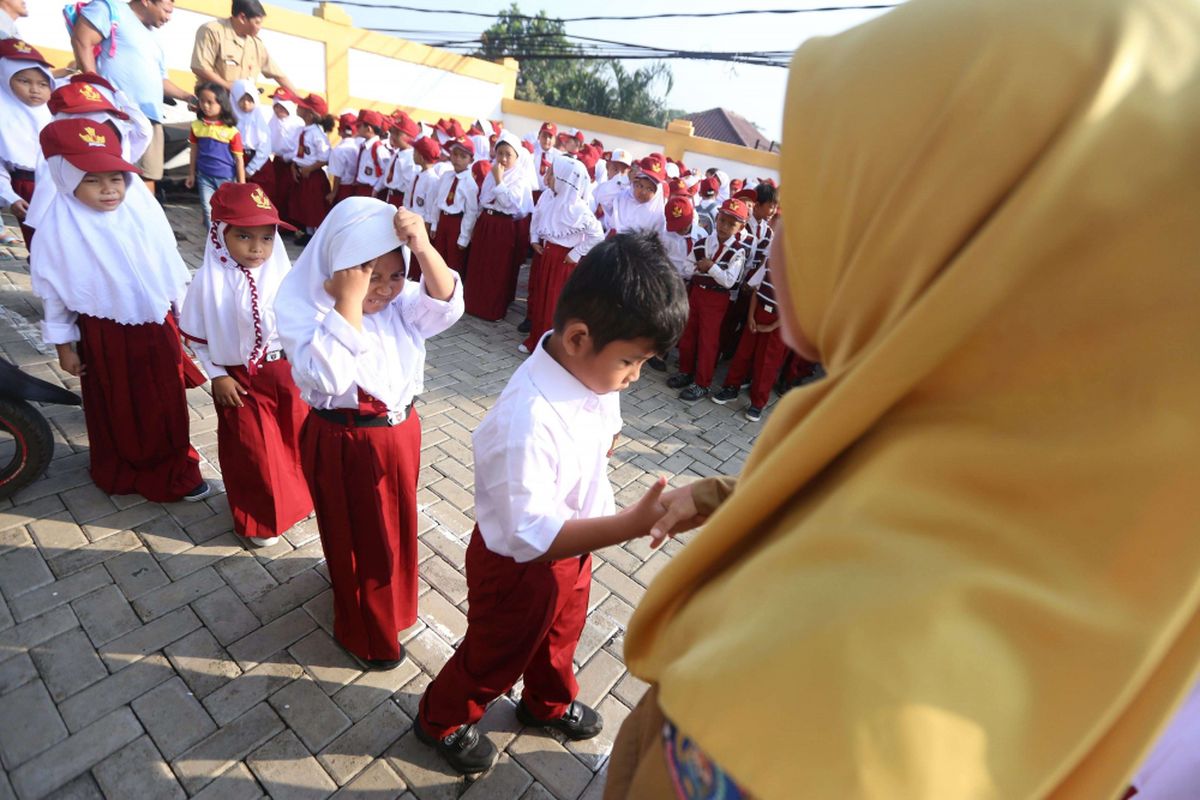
{"x": 526, "y": 326}
{"x": 376, "y": 664}
{"x": 580, "y": 722}
{"x": 726, "y": 394}
{"x": 679, "y": 380}
{"x": 464, "y": 750}
{"x": 657, "y": 363}
{"x": 693, "y": 393}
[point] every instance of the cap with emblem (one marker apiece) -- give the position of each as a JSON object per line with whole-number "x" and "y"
{"x": 461, "y": 144}
{"x": 679, "y": 214}
{"x": 402, "y": 122}
{"x": 369, "y": 116}
{"x": 86, "y": 144}
{"x": 548, "y": 127}
{"x": 428, "y": 148}
{"x": 246, "y": 205}
{"x": 81, "y": 98}
{"x": 736, "y": 208}
{"x": 651, "y": 168}
{"x": 20, "y": 50}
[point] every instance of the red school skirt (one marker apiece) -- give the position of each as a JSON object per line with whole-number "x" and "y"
{"x": 24, "y": 189}
{"x": 363, "y": 483}
{"x": 309, "y": 205}
{"x": 265, "y": 178}
{"x": 259, "y": 449}
{"x": 552, "y": 273}
{"x": 490, "y": 265}
{"x": 135, "y": 409}
{"x": 445, "y": 240}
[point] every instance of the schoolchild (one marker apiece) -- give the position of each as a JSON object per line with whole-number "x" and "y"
{"x": 355, "y": 333}
{"x": 564, "y": 230}
{"x": 311, "y": 203}
{"x": 229, "y": 318}
{"x": 761, "y": 350}
{"x": 719, "y": 261}
{"x": 110, "y": 280}
{"x": 215, "y": 145}
{"x": 478, "y": 134}
{"x": 458, "y": 206}
{"x": 285, "y": 129}
{"x": 343, "y": 160}
{"x": 543, "y": 502}
{"x": 639, "y": 206}
{"x": 616, "y": 169}
{"x": 505, "y": 198}
{"x": 372, "y": 153}
{"x": 397, "y": 178}
{"x": 707, "y": 204}
{"x": 25, "y": 87}
{"x": 757, "y": 238}
{"x": 254, "y": 124}
{"x": 544, "y": 152}
{"x": 422, "y": 193}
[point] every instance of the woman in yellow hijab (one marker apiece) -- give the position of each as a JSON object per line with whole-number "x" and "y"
{"x": 967, "y": 563}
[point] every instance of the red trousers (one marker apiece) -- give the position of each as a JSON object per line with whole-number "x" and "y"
{"x": 701, "y": 340}
{"x": 136, "y": 410}
{"x": 308, "y": 205}
{"x": 522, "y": 620}
{"x": 445, "y": 241}
{"x": 24, "y": 190}
{"x": 760, "y": 355}
{"x": 490, "y": 265}
{"x": 363, "y": 483}
{"x": 735, "y": 321}
{"x": 545, "y": 285}
{"x": 259, "y": 449}
{"x": 265, "y": 178}
{"x": 283, "y": 188}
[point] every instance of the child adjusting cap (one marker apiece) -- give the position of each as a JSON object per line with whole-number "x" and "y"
{"x": 20, "y": 50}
{"x": 245, "y": 205}
{"x": 81, "y": 98}
{"x": 86, "y": 144}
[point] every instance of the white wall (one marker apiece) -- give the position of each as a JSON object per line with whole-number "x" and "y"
{"x": 395, "y": 82}
{"x": 735, "y": 169}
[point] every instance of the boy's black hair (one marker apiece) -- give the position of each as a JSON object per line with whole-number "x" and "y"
{"x": 251, "y": 8}
{"x": 327, "y": 122}
{"x": 222, "y": 95}
{"x": 378, "y": 130}
{"x": 626, "y": 288}
{"x": 766, "y": 193}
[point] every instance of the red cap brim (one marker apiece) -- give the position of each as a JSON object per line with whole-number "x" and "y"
{"x": 254, "y": 220}
{"x": 100, "y": 162}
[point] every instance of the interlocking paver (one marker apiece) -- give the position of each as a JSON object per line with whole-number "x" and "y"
{"x": 68, "y": 663}
{"x": 310, "y": 713}
{"x": 17, "y": 671}
{"x": 225, "y": 615}
{"x": 177, "y": 594}
{"x": 19, "y": 638}
{"x": 594, "y": 752}
{"x": 233, "y": 742}
{"x": 52, "y": 595}
{"x": 251, "y": 687}
{"x": 286, "y": 596}
{"x": 245, "y": 575}
{"x": 84, "y": 708}
{"x": 551, "y": 764}
{"x": 22, "y": 569}
{"x": 271, "y": 638}
{"x": 330, "y": 665}
{"x": 288, "y": 770}
{"x": 507, "y": 780}
{"x": 137, "y": 770}
{"x": 235, "y": 783}
{"x": 372, "y": 688}
{"x": 598, "y": 676}
{"x": 41, "y": 725}
{"x": 350, "y": 753}
{"x": 75, "y": 754}
{"x": 137, "y": 572}
{"x": 105, "y": 613}
{"x": 150, "y": 637}
{"x": 376, "y": 782}
{"x": 173, "y": 717}
{"x": 95, "y": 553}
{"x": 427, "y": 775}
{"x": 202, "y": 662}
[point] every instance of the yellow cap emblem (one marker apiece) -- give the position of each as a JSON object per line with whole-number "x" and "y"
{"x": 260, "y": 199}
{"x": 92, "y": 138}
{"x": 88, "y": 92}
{"x": 21, "y": 47}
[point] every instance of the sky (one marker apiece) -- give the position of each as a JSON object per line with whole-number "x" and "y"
{"x": 754, "y": 92}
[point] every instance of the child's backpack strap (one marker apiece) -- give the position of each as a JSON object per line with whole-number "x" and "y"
{"x": 71, "y": 13}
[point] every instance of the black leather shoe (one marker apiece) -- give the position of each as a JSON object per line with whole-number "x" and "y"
{"x": 525, "y": 326}
{"x": 376, "y": 664}
{"x": 580, "y": 722}
{"x": 464, "y": 750}
{"x": 657, "y": 363}
{"x": 680, "y": 380}
{"x": 693, "y": 393}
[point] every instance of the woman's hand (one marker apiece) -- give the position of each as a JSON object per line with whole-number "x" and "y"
{"x": 226, "y": 392}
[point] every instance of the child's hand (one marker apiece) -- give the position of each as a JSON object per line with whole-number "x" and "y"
{"x": 19, "y": 209}
{"x": 69, "y": 360}
{"x": 679, "y": 515}
{"x": 190, "y": 181}
{"x": 752, "y": 325}
{"x": 704, "y": 265}
{"x": 350, "y": 285}
{"x": 329, "y": 198}
{"x": 537, "y": 247}
{"x": 410, "y": 227}
{"x": 497, "y": 171}
{"x": 226, "y": 392}
{"x": 647, "y": 511}
{"x": 611, "y": 450}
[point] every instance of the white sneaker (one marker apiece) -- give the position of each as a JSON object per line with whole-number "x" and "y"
{"x": 523, "y": 348}
{"x": 267, "y": 542}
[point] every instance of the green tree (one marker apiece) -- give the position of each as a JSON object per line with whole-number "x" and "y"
{"x": 573, "y": 81}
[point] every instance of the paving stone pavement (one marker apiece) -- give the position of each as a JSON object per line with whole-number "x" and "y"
{"x": 145, "y": 653}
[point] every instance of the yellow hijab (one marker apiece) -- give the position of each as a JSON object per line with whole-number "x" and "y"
{"x": 967, "y": 563}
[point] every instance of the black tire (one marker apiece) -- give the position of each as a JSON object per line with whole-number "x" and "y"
{"x": 34, "y": 445}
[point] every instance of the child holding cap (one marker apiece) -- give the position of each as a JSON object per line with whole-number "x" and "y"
{"x": 717, "y": 265}
{"x": 457, "y": 205}
{"x": 229, "y": 316}
{"x": 355, "y": 333}
{"x": 215, "y": 145}
{"x": 310, "y": 205}
{"x": 25, "y": 86}
{"x": 109, "y": 278}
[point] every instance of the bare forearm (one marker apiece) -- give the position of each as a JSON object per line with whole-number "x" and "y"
{"x": 240, "y": 163}
{"x": 579, "y": 536}
{"x": 84, "y": 39}
{"x": 439, "y": 281}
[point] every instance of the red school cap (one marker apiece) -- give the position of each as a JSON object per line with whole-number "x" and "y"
{"x": 20, "y": 50}
{"x": 281, "y": 93}
{"x": 528, "y": 145}
{"x": 347, "y": 120}
{"x": 677, "y": 187}
{"x": 245, "y": 204}
{"x": 316, "y": 104}
{"x": 370, "y": 117}
{"x": 736, "y": 185}
{"x": 454, "y": 129}
{"x": 650, "y": 167}
{"x": 749, "y": 195}
{"x": 86, "y": 144}
{"x": 81, "y": 98}
{"x": 405, "y": 124}
{"x": 679, "y": 214}
{"x": 94, "y": 80}
{"x": 735, "y": 208}
{"x": 479, "y": 171}
{"x": 548, "y": 127}
{"x": 428, "y": 148}
{"x": 462, "y": 144}
{"x": 709, "y": 186}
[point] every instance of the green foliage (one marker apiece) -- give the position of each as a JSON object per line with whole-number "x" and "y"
{"x": 595, "y": 86}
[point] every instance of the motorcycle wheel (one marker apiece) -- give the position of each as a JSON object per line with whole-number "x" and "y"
{"x": 26, "y": 445}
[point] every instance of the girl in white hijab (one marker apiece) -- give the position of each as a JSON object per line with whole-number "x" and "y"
{"x": 564, "y": 230}
{"x": 110, "y": 277}
{"x": 254, "y": 124}
{"x": 640, "y": 205}
{"x": 285, "y": 128}
{"x": 25, "y": 86}
{"x": 505, "y": 197}
{"x": 355, "y": 333}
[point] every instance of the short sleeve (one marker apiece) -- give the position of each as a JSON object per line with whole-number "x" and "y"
{"x": 204, "y": 53}
{"x": 98, "y": 16}
{"x": 192, "y": 138}
{"x": 235, "y": 144}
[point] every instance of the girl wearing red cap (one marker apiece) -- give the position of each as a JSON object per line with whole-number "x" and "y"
{"x": 355, "y": 332}
{"x": 506, "y": 197}
{"x": 215, "y": 145}
{"x": 311, "y": 204}
{"x": 229, "y": 316}
{"x": 110, "y": 276}
{"x": 25, "y": 85}
{"x": 401, "y": 167}
{"x": 372, "y": 153}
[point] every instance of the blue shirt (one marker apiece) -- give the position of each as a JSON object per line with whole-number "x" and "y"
{"x": 138, "y": 66}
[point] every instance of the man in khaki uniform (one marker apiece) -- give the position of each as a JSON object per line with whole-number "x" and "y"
{"x": 229, "y": 49}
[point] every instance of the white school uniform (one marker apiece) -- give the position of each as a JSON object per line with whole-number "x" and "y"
{"x": 343, "y": 160}
{"x": 626, "y": 214}
{"x": 399, "y": 172}
{"x": 285, "y": 133}
{"x": 373, "y": 158}
{"x": 423, "y": 193}
{"x": 514, "y": 194}
{"x": 679, "y": 248}
{"x": 562, "y": 215}
{"x": 606, "y": 192}
{"x": 466, "y": 201}
{"x": 541, "y": 458}
{"x": 312, "y": 147}
{"x": 254, "y": 126}
{"x": 331, "y": 360}
{"x": 19, "y": 149}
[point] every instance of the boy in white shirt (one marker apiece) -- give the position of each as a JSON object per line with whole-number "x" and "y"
{"x": 456, "y": 205}
{"x": 543, "y": 501}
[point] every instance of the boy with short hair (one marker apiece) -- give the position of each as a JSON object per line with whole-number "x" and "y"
{"x": 457, "y": 205}
{"x": 543, "y": 501}
{"x": 372, "y": 152}
{"x": 719, "y": 261}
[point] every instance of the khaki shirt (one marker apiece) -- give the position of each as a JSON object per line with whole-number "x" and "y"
{"x": 233, "y": 57}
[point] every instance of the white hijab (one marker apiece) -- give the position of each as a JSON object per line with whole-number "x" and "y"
{"x": 521, "y": 180}
{"x": 357, "y": 230}
{"x": 629, "y": 215}
{"x": 255, "y": 126}
{"x": 565, "y": 210}
{"x": 285, "y": 133}
{"x": 20, "y": 124}
{"x": 221, "y": 308}
{"x": 121, "y": 265}
{"x": 723, "y": 188}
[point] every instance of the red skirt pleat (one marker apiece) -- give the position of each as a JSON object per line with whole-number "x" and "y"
{"x": 361, "y": 190}
{"x": 490, "y": 265}
{"x": 344, "y": 190}
{"x": 394, "y": 197}
{"x": 551, "y": 273}
{"x": 24, "y": 190}
{"x": 265, "y": 178}
{"x": 519, "y": 253}
{"x": 445, "y": 241}
{"x": 284, "y": 187}
{"x": 309, "y": 205}
{"x": 363, "y": 483}
{"x": 135, "y": 409}
{"x": 259, "y": 448}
